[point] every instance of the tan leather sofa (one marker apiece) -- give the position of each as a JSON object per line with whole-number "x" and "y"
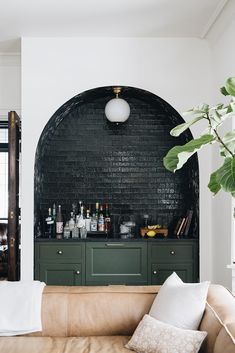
{"x": 101, "y": 319}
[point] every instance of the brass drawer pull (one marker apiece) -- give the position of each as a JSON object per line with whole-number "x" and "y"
{"x": 114, "y": 244}
{"x": 77, "y": 272}
{"x": 154, "y": 272}
{"x": 59, "y": 252}
{"x": 172, "y": 252}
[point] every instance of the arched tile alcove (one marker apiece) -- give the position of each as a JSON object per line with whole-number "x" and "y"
{"x": 82, "y": 156}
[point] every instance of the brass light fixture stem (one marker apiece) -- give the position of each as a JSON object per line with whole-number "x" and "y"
{"x": 116, "y": 91}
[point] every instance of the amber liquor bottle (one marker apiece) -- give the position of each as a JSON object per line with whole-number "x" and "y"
{"x": 107, "y": 219}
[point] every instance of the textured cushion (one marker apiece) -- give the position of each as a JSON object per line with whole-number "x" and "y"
{"x": 153, "y": 336}
{"x": 180, "y": 304}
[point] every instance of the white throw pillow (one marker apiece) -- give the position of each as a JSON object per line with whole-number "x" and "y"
{"x": 180, "y": 304}
{"x": 153, "y": 336}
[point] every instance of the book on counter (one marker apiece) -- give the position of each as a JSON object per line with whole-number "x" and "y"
{"x": 183, "y": 224}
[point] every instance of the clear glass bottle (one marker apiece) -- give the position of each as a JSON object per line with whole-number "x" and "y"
{"x": 88, "y": 220}
{"x": 94, "y": 223}
{"x": 66, "y": 231}
{"x": 75, "y": 231}
{"x": 71, "y": 222}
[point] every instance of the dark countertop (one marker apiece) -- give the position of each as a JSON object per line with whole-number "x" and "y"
{"x": 109, "y": 239}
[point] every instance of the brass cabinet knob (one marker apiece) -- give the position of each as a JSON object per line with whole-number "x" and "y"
{"x": 60, "y": 252}
{"x": 172, "y": 252}
{"x": 77, "y": 272}
{"x": 154, "y": 272}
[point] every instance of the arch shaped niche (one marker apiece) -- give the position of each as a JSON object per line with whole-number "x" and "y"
{"x": 82, "y": 156}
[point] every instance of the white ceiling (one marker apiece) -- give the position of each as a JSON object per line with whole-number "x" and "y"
{"x": 105, "y": 18}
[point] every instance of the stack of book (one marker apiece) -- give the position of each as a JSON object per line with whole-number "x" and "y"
{"x": 183, "y": 224}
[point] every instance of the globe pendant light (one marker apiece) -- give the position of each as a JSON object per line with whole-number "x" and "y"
{"x": 117, "y": 110}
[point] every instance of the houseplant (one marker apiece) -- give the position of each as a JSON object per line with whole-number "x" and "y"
{"x": 224, "y": 177}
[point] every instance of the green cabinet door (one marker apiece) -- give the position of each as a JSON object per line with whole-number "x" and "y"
{"x": 160, "y": 272}
{"x": 180, "y": 256}
{"x": 60, "y": 274}
{"x": 116, "y": 263}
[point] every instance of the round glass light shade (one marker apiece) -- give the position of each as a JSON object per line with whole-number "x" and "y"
{"x": 117, "y": 110}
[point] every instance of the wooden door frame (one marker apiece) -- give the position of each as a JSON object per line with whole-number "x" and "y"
{"x": 13, "y": 196}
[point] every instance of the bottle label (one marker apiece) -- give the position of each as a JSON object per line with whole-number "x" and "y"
{"x": 88, "y": 224}
{"x": 93, "y": 226}
{"x": 59, "y": 227}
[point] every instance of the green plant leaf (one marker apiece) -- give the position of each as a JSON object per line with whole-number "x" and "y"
{"x": 230, "y": 86}
{"x": 224, "y": 91}
{"x": 229, "y": 141}
{"x": 225, "y": 176}
{"x": 178, "y": 155}
{"x": 182, "y": 127}
{"x": 213, "y": 185}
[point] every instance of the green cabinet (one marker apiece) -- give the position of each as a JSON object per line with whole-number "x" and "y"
{"x": 180, "y": 256}
{"x": 60, "y": 262}
{"x": 60, "y": 274}
{"x": 116, "y": 263}
{"x": 135, "y": 262}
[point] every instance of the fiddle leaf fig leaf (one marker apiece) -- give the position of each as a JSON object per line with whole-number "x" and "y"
{"x": 230, "y": 86}
{"x": 225, "y": 176}
{"x": 179, "y": 155}
{"x": 213, "y": 185}
{"x": 182, "y": 127}
{"x": 224, "y": 91}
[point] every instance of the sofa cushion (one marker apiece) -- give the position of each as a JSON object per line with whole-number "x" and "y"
{"x": 94, "y": 311}
{"x": 180, "y": 304}
{"x": 153, "y": 336}
{"x": 104, "y": 344}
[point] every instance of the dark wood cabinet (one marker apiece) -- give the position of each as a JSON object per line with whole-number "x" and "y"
{"x": 136, "y": 262}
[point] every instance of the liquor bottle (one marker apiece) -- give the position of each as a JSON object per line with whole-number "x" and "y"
{"x": 66, "y": 231}
{"x": 81, "y": 220}
{"x": 97, "y": 210}
{"x": 59, "y": 223}
{"x": 49, "y": 224}
{"x": 75, "y": 231}
{"x": 101, "y": 220}
{"x": 54, "y": 220}
{"x": 71, "y": 222}
{"x": 107, "y": 219}
{"x": 94, "y": 223}
{"x": 88, "y": 220}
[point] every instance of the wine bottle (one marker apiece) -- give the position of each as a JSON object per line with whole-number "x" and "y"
{"x": 59, "y": 223}
{"x": 54, "y": 220}
{"x": 49, "y": 224}
{"x": 101, "y": 220}
{"x": 107, "y": 219}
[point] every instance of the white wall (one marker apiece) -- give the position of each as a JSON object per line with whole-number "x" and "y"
{"x": 221, "y": 42}
{"x": 10, "y": 84}
{"x": 56, "y": 69}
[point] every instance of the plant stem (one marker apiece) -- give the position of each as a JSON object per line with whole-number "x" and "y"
{"x": 219, "y": 139}
{"x": 222, "y": 143}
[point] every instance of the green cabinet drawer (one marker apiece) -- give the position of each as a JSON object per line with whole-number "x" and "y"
{"x": 172, "y": 252}
{"x": 59, "y": 252}
{"x": 160, "y": 272}
{"x": 116, "y": 263}
{"x": 60, "y": 274}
